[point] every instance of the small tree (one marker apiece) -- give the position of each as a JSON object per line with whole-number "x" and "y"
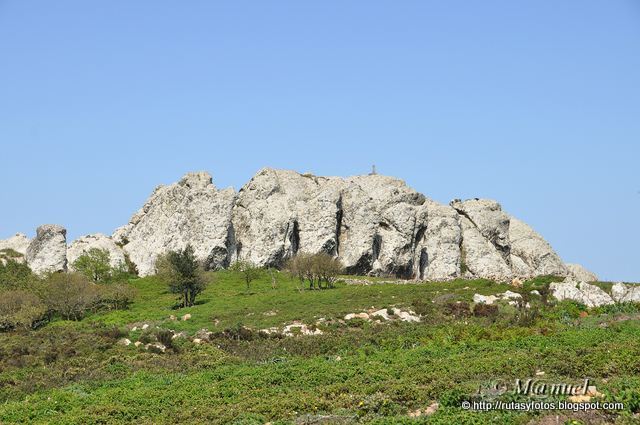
{"x": 182, "y": 273}
{"x": 94, "y": 264}
{"x": 248, "y": 270}
{"x": 315, "y": 268}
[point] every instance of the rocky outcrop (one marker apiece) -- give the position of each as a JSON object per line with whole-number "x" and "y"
{"x": 47, "y": 252}
{"x": 374, "y": 224}
{"x": 531, "y": 255}
{"x": 622, "y": 293}
{"x": 18, "y": 243}
{"x": 581, "y": 292}
{"x": 580, "y": 273}
{"x": 98, "y": 241}
{"x": 191, "y": 211}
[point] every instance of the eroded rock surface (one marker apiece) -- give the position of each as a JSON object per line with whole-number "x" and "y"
{"x": 191, "y": 211}
{"x": 18, "y": 242}
{"x": 374, "y": 224}
{"x": 47, "y": 252}
{"x": 582, "y": 292}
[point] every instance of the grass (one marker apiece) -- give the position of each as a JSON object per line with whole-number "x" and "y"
{"x": 356, "y": 372}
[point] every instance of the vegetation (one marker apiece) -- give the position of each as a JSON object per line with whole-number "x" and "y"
{"x": 182, "y": 273}
{"x": 315, "y": 268}
{"x": 356, "y": 371}
{"x": 247, "y": 269}
{"x": 95, "y": 264}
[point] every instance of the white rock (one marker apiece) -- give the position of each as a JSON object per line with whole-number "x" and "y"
{"x": 582, "y": 292}
{"x": 484, "y": 299}
{"x": 531, "y": 255}
{"x": 145, "y": 327}
{"x": 18, "y": 242}
{"x": 47, "y": 252}
{"x": 480, "y": 255}
{"x": 191, "y": 211}
{"x": 350, "y": 316}
{"x": 197, "y": 341}
{"x": 622, "y": 293}
{"x": 511, "y": 295}
{"x": 99, "y": 241}
{"x": 126, "y": 342}
{"x": 137, "y": 343}
{"x": 186, "y": 317}
{"x": 535, "y": 292}
{"x": 581, "y": 274}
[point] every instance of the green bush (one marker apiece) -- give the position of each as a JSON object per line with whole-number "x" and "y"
{"x": 70, "y": 295}
{"x": 20, "y": 309}
{"x": 95, "y": 264}
{"x": 14, "y": 274}
{"x": 117, "y": 296}
{"x": 182, "y": 273}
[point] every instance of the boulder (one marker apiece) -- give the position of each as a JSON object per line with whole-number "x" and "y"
{"x": 581, "y": 274}
{"x": 47, "y": 252}
{"x": 191, "y": 211}
{"x": 622, "y": 293}
{"x": 581, "y": 292}
{"x": 99, "y": 241}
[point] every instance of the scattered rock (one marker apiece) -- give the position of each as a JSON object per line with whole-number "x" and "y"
{"x": 155, "y": 347}
{"x": 512, "y": 297}
{"x": 145, "y": 327}
{"x": 124, "y": 341}
{"x": 172, "y": 318}
{"x": 363, "y": 316}
{"x": 137, "y": 343}
{"x": 186, "y": 317}
{"x": 197, "y": 341}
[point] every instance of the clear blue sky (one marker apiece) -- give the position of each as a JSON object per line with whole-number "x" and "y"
{"x": 535, "y": 104}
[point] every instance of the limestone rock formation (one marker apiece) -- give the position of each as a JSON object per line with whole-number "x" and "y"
{"x": 191, "y": 211}
{"x": 99, "y": 241}
{"x": 18, "y": 242}
{"x": 622, "y": 293}
{"x": 47, "y": 252}
{"x": 582, "y": 292}
{"x": 374, "y": 224}
{"x": 531, "y": 255}
{"x": 580, "y": 273}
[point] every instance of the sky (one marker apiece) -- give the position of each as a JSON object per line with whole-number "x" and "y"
{"x": 535, "y": 104}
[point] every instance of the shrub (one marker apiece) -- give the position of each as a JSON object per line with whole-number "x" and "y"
{"x": 165, "y": 337}
{"x": 14, "y": 274}
{"x": 70, "y": 295}
{"x": 95, "y": 264}
{"x": 315, "y": 268}
{"x": 181, "y": 272}
{"x": 20, "y": 309}
{"x": 248, "y": 270}
{"x": 117, "y": 296}
{"x": 485, "y": 310}
{"x": 457, "y": 309}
